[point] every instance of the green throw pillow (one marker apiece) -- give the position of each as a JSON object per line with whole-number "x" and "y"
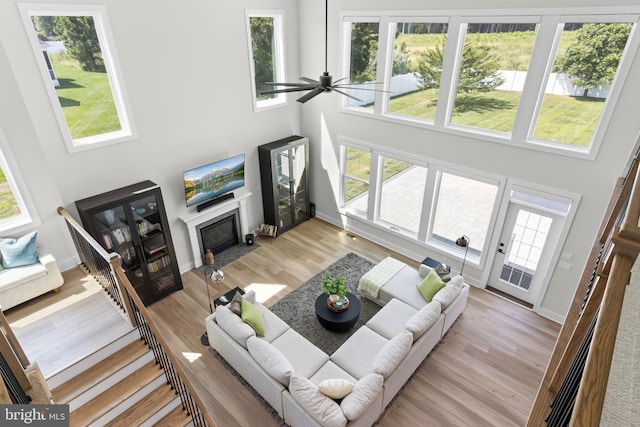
{"x": 251, "y": 316}
{"x": 430, "y": 285}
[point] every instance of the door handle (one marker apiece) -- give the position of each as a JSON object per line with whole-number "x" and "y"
{"x": 500, "y": 248}
{"x": 501, "y": 251}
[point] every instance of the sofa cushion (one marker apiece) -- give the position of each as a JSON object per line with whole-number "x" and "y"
{"x": 15, "y": 277}
{"x": 19, "y": 252}
{"x": 355, "y": 354}
{"x": 273, "y": 325}
{"x": 392, "y": 318}
{"x": 271, "y": 360}
{"x": 447, "y": 294}
{"x": 390, "y": 356}
{"x": 403, "y": 287}
{"x": 305, "y": 357}
{"x": 330, "y": 370}
{"x": 322, "y": 408}
{"x": 430, "y": 285}
{"x": 335, "y": 388}
{"x": 233, "y": 325}
{"x": 420, "y": 322}
{"x": 442, "y": 271}
{"x": 363, "y": 394}
{"x": 253, "y": 317}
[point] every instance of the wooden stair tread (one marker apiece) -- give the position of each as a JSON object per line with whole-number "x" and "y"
{"x": 120, "y": 392}
{"x": 176, "y": 418}
{"x": 89, "y": 378}
{"x": 145, "y": 408}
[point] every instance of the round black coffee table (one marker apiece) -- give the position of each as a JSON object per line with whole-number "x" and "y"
{"x": 338, "y": 321}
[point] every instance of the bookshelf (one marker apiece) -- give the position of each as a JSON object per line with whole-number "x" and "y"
{"x": 132, "y": 222}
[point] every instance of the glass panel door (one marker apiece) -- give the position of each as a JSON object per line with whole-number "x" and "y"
{"x": 157, "y": 260}
{"x": 299, "y": 182}
{"x": 283, "y": 182}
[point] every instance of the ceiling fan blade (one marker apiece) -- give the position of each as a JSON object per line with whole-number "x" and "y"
{"x": 293, "y": 89}
{"x": 287, "y": 84}
{"x": 362, "y": 88}
{"x": 346, "y": 94}
{"x": 308, "y": 80}
{"x": 339, "y": 80}
{"x": 317, "y": 91}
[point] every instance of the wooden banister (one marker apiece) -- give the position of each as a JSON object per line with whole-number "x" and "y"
{"x": 603, "y": 281}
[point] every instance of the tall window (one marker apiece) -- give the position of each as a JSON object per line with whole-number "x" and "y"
{"x": 514, "y": 78}
{"x": 14, "y": 211}
{"x": 363, "y": 63}
{"x": 75, "y": 53}
{"x": 266, "y": 56}
{"x": 418, "y": 53}
{"x": 585, "y": 66}
{"x": 355, "y": 184}
{"x": 493, "y": 67}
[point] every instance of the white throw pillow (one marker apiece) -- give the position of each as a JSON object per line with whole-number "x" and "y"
{"x": 271, "y": 360}
{"x": 420, "y": 322}
{"x": 233, "y": 325}
{"x": 323, "y": 409}
{"x": 360, "y": 398}
{"x": 336, "y": 388}
{"x": 390, "y": 356}
{"x": 447, "y": 294}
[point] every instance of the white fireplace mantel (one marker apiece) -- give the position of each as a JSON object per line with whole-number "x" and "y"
{"x": 194, "y": 219}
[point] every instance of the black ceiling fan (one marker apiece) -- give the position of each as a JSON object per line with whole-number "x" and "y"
{"x": 324, "y": 84}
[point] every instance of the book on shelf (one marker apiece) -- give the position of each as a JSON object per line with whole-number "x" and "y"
{"x": 106, "y": 241}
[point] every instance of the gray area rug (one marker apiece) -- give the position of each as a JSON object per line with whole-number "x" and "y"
{"x": 297, "y": 309}
{"x": 231, "y": 254}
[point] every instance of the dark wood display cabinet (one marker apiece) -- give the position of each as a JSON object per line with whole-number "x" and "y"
{"x": 132, "y": 222}
{"x": 284, "y": 176}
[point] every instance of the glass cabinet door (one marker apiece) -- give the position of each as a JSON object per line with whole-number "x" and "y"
{"x": 157, "y": 261}
{"x": 298, "y": 183}
{"x": 282, "y": 184}
{"x": 115, "y": 235}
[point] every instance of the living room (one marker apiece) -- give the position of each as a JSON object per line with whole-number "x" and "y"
{"x": 190, "y": 108}
{"x": 190, "y": 116}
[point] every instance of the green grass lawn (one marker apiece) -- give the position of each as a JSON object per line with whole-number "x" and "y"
{"x": 8, "y": 205}
{"x": 567, "y": 119}
{"x": 87, "y": 102}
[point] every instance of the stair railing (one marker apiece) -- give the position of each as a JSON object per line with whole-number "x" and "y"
{"x": 107, "y": 270}
{"x": 573, "y": 388}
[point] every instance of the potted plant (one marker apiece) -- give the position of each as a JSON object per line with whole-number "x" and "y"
{"x": 335, "y": 287}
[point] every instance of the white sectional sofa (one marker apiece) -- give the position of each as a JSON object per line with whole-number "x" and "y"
{"x": 287, "y": 370}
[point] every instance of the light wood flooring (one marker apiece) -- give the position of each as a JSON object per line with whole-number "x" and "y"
{"x": 59, "y": 328}
{"x": 485, "y": 373}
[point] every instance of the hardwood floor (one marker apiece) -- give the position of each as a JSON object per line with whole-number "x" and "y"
{"x": 485, "y": 372}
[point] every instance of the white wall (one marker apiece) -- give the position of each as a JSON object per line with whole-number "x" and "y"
{"x": 594, "y": 180}
{"x": 185, "y": 68}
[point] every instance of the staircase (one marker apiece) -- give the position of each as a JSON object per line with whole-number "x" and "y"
{"x": 119, "y": 385}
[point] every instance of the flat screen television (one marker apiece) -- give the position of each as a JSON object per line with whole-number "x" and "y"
{"x": 213, "y": 180}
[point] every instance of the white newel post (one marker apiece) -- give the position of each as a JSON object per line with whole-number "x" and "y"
{"x": 194, "y": 219}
